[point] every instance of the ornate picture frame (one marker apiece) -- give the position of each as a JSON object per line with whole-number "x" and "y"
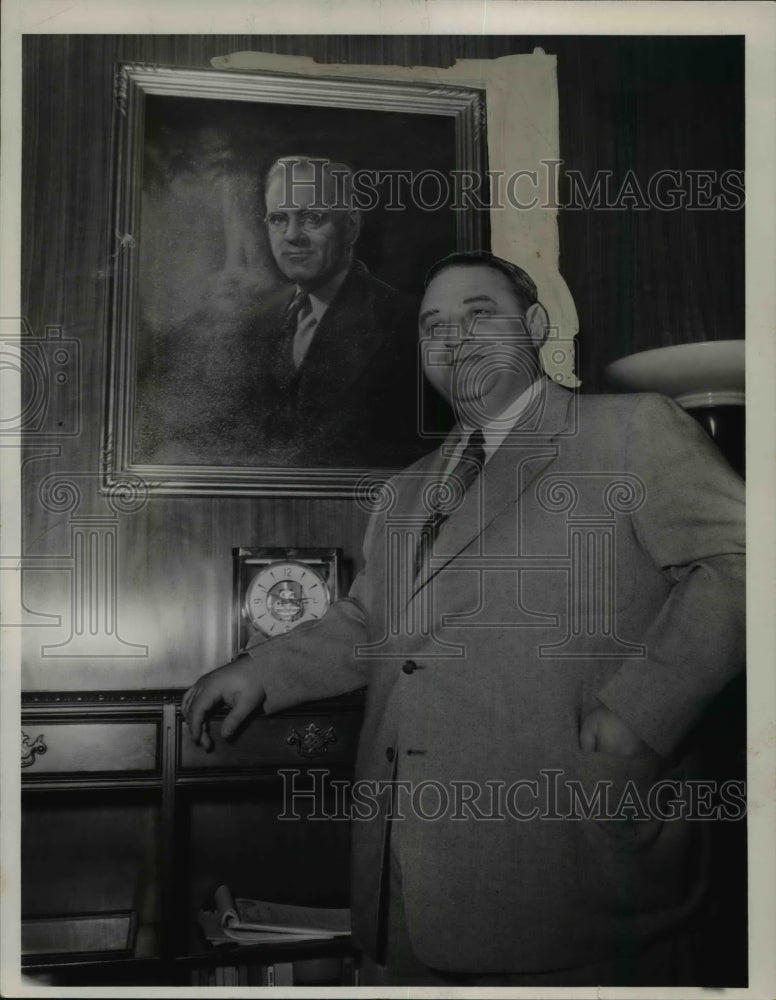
{"x": 191, "y": 265}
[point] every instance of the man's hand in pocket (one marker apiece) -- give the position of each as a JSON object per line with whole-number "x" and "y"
{"x": 605, "y": 732}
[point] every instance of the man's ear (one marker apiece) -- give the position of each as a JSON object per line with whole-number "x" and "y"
{"x": 537, "y": 323}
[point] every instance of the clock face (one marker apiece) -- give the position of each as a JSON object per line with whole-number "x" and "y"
{"x": 283, "y": 594}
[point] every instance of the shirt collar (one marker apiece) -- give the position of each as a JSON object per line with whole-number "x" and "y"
{"x": 497, "y": 429}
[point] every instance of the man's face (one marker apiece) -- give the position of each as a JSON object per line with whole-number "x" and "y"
{"x": 308, "y": 256}
{"x": 476, "y": 350}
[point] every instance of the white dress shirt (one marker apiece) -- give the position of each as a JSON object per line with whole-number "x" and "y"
{"x": 495, "y": 430}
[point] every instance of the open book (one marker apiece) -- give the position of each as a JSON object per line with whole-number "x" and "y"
{"x": 255, "y": 921}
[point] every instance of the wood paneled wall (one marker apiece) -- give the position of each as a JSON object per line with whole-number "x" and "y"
{"x": 640, "y": 279}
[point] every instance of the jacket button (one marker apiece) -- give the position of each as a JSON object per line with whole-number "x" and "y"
{"x": 390, "y": 753}
{"x": 409, "y": 666}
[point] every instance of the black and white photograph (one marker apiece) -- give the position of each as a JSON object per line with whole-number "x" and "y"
{"x": 380, "y": 402}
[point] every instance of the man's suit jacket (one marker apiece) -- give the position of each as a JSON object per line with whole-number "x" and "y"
{"x": 353, "y": 401}
{"x": 599, "y": 559}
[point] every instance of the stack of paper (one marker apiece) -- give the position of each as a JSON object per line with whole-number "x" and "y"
{"x": 254, "y": 921}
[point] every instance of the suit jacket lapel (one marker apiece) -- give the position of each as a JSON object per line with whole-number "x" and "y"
{"x": 408, "y": 512}
{"x": 347, "y": 337}
{"x": 414, "y": 480}
{"x": 498, "y": 487}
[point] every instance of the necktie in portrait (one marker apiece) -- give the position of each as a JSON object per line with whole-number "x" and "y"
{"x": 306, "y": 324}
{"x": 284, "y": 365}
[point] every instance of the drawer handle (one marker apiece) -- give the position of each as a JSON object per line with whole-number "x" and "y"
{"x": 312, "y": 741}
{"x": 30, "y": 750}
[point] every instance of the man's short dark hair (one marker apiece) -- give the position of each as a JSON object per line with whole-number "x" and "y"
{"x": 523, "y": 284}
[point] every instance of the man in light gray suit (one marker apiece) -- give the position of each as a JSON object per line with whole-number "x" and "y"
{"x": 566, "y": 599}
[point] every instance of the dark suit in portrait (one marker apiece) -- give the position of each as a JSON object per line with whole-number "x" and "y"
{"x": 353, "y": 400}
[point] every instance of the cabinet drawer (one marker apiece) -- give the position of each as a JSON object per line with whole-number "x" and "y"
{"x": 278, "y": 741}
{"x": 78, "y": 747}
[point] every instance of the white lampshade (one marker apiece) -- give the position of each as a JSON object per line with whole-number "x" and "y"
{"x": 706, "y": 373}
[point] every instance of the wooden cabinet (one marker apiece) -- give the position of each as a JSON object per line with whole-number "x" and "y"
{"x": 68, "y": 748}
{"x": 127, "y": 827}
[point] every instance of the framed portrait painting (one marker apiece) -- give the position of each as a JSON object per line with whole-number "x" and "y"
{"x": 219, "y": 381}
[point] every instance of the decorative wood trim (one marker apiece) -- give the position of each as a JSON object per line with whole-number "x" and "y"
{"x": 89, "y": 782}
{"x": 142, "y": 697}
{"x": 258, "y": 776}
{"x": 129, "y": 697}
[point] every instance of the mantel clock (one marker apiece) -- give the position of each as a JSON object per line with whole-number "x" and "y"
{"x": 277, "y": 589}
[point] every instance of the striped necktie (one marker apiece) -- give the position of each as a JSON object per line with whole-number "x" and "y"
{"x": 305, "y": 328}
{"x": 460, "y": 478}
{"x": 283, "y": 367}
